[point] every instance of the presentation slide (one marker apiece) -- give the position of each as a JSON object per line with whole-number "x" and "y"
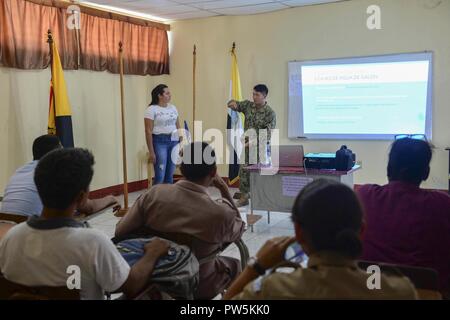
{"x": 363, "y": 100}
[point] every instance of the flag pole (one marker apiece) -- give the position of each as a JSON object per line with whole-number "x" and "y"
{"x": 50, "y": 42}
{"x": 251, "y": 218}
{"x": 52, "y": 97}
{"x": 193, "y": 90}
{"x": 124, "y": 210}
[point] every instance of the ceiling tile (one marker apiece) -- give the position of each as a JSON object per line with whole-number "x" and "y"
{"x": 296, "y": 3}
{"x": 189, "y": 15}
{"x": 192, "y": 1}
{"x": 168, "y": 10}
{"x": 190, "y": 9}
{"x": 126, "y": 4}
{"x": 220, "y": 4}
{"x": 252, "y": 9}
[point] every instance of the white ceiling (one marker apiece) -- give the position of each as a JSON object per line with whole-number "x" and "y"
{"x": 167, "y": 10}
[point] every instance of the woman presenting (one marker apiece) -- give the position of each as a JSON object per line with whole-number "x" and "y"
{"x": 161, "y": 124}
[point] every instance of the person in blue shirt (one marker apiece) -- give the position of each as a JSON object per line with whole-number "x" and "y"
{"x": 21, "y": 196}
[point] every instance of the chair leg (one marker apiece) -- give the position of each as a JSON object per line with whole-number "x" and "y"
{"x": 243, "y": 252}
{"x": 268, "y": 217}
{"x": 251, "y": 213}
{"x": 149, "y": 174}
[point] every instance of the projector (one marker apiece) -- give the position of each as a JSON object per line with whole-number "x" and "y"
{"x": 320, "y": 160}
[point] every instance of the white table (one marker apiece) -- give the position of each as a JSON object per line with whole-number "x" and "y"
{"x": 272, "y": 193}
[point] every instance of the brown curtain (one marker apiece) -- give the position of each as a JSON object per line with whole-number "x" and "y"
{"x": 145, "y": 48}
{"x": 23, "y": 35}
{"x": 23, "y": 41}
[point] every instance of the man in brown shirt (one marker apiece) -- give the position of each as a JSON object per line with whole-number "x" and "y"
{"x": 186, "y": 207}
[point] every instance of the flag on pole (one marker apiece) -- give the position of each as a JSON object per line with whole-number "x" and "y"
{"x": 235, "y": 82}
{"x": 235, "y": 122}
{"x": 60, "y": 114}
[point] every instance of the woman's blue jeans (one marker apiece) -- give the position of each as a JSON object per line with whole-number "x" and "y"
{"x": 164, "y": 166}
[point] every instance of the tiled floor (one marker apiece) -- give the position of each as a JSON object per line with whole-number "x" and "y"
{"x": 280, "y": 225}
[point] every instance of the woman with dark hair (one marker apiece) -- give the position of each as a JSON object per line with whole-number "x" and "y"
{"x": 161, "y": 133}
{"x": 328, "y": 220}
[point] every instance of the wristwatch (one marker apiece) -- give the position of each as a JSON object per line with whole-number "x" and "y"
{"x": 254, "y": 264}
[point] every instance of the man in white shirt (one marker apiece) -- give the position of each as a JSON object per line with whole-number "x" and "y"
{"x": 21, "y": 196}
{"x": 45, "y": 251}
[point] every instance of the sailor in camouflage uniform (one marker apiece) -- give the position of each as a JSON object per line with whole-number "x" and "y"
{"x": 258, "y": 116}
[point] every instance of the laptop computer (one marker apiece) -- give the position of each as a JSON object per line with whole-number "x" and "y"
{"x": 291, "y": 156}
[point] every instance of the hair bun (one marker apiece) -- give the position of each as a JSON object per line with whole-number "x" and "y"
{"x": 348, "y": 242}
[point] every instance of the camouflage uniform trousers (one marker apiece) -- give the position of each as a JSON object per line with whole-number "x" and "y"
{"x": 244, "y": 180}
{"x": 258, "y": 119}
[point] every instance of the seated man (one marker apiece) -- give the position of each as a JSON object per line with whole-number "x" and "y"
{"x": 40, "y": 251}
{"x": 186, "y": 207}
{"x": 406, "y": 224}
{"x": 21, "y": 196}
{"x": 327, "y": 220}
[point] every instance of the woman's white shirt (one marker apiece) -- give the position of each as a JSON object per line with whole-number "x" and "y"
{"x": 164, "y": 118}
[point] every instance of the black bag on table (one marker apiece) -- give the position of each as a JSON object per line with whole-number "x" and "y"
{"x": 345, "y": 159}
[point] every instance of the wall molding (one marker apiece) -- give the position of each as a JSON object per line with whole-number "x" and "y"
{"x": 134, "y": 186}
{"x": 143, "y": 184}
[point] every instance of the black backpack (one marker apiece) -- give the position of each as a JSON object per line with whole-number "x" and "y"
{"x": 345, "y": 159}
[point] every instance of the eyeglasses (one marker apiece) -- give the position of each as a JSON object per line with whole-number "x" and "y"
{"x": 411, "y": 136}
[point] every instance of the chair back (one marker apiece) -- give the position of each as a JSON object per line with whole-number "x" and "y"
{"x": 17, "y": 218}
{"x": 424, "y": 279}
{"x": 13, "y": 291}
